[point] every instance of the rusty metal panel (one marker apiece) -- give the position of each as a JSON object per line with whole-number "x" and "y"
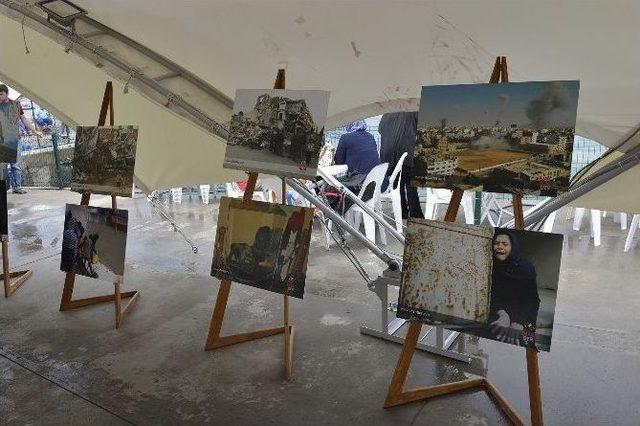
{"x": 446, "y": 277}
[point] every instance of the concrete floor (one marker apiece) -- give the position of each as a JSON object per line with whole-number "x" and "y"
{"x": 74, "y": 368}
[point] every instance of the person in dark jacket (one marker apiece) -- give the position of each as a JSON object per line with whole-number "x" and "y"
{"x": 514, "y": 292}
{"x": 397, "y": 136}
{"x": 357, "y": 149}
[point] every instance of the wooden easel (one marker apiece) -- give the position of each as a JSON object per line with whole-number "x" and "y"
{"x": 67, "y": 302}
{"x": 12, "y": 280}
{"x": 398, "y": 396}
{"x": 214, "y": 340}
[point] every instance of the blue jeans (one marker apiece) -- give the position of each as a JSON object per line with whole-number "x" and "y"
{"x": 13, "y": 172}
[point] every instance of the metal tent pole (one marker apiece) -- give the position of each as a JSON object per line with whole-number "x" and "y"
{"x": 602, "y": 176}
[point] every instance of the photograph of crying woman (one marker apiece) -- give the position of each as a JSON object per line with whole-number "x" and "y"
{"x": 499, "y": 285}
{"x": 524, "y": 284}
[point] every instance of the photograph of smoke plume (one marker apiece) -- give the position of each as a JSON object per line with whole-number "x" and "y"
{"x": 508, "y": 137}
{"x": 104, "y": 159}
{"x": 94, "y": 241}
{"x": 524, "y": 275}
{"x": 279, "y": 132}
{"x": 263, "y": 245}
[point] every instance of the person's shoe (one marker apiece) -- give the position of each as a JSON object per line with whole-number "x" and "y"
{"x": 19, "y": 191}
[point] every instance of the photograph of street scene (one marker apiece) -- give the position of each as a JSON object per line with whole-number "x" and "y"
{"x": 263, "y": 245}
{"x": 508, "y": 137}
{"x": 94, "y": 241}
{"x": 104, "y": 160}
{"x": 278, "y": 132}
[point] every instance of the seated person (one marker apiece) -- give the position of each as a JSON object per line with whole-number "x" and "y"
{"x": 357, "y": 149}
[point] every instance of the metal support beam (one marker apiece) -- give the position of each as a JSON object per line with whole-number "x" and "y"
{"x": 602, "y": 176}
{"x": 138, "y": 78}
{"x": 338, "y": 220}
{"x": 168, "y": 75}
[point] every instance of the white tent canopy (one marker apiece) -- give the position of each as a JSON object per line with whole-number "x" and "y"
{"x": 373, "y": 56}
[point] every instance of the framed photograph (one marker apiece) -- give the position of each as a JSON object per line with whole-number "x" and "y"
{"x": 104, "y": 160}
{"x": 278, "y": 132}
{"x": 263, "y": 245}
{"x": 94, "y": 241}
{"x": 509, "y": 137}
{"x": 448, "y": 281}
{"x": 9, "y": 131}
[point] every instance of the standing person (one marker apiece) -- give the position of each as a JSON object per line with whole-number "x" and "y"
{"x": 397, "y": 136}
{"x": 11, "y": 114}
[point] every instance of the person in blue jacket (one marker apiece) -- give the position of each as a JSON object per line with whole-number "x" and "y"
{"x": 357, "y": 149}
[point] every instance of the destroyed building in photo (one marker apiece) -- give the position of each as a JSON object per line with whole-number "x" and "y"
{"x": 280, "y": 125}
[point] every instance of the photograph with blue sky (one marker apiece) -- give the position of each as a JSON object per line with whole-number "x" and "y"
{"x": 534, "y": 105}
{"x": 507, "y": 137}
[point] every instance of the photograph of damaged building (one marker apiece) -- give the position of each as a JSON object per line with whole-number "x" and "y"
{"x": 104, "y": 160}
{"x": 508, "y": 137}
{"x": 278, "y": 132}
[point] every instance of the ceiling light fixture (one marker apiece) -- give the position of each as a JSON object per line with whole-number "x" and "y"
{"x": 62, "y": 11}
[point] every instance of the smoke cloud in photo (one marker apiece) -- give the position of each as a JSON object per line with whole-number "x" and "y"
{"x": 552, "y": 108}
{"x": 530, "y": 105}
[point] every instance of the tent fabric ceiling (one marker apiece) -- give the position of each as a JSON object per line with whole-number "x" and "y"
{"x": 373, "y": 56}
{"x": 171, "y": 151}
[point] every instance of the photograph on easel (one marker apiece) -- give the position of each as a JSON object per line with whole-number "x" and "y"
{"x": 277, "y": 131}
{"x": 4, "y": 209}
{"x": 509, "y": 137}
{"x": 10, "y": 131}
{"x": 94, "y": 241}
{"x": 448, "y": 281}
{"x": 104, "y": 160}
{"x": 263, "y": 245}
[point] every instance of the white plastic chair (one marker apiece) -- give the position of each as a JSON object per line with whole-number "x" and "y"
{"x": 436, "y": 197}
{"x": 234, "y": 191}
{"x": 356, "y": 216}
{"x": 176, "y": 195}
{"x": 635, "y": 224}
{"x": 204, "y": 193}
{"x": 596, "y": 216}
{"x": 393, "y": 193}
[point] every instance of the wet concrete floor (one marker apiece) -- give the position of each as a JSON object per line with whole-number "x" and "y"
{"x": 74, "y": 368}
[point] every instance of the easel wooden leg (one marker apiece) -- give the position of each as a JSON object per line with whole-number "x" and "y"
{"x": 214, "y": 340}
{"x": 288, "y": 341}
{"x": 5, "y": 266}
{"x": 12, "y": 280}
{"x": 535, "y": 397}
{"x": 66, "y": 303}
{"x": 116, "y": 301}
{"x": 218, "y": 314}
{"x": 402, "y": 367}
{"x": 67, "y": 291}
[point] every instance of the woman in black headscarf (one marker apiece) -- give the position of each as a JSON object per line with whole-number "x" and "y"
{"x": 514, "y": 292}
